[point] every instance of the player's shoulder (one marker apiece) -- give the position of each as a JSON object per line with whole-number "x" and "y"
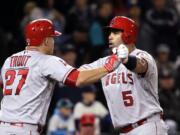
{"x": 17, "y": 53}
{"x": 14, "y": 54}
{"x": 142, "y": 53}
{"x": 48, "y": 59}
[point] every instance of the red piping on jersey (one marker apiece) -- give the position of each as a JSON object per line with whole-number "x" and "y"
{"x": 1, "y": 85}
{"x": 72, "y": 78}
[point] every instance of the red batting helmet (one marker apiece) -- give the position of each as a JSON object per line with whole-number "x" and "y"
{"x": 127, "y": 26}
{"x": 39, "y": 29}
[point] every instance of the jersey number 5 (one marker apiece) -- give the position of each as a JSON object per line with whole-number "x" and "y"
{"x": 127, "y": 98}
{"x": 10, "y": 77}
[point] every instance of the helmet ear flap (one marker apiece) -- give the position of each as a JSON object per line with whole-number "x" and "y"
{"x": 125, "y": 38}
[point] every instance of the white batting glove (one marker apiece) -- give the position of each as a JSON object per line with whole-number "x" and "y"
{"x": 122, "y": 53}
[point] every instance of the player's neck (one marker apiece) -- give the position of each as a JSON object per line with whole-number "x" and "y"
{"x": 131, "y": 48}
{"x": 34, "y": 48}
{"x": 31, "y": 48}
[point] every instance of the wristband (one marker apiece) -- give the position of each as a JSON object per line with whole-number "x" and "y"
{"x": 131, "y": 63}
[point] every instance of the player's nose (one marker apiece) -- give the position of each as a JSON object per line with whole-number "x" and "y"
{"x": 110, "y": 36}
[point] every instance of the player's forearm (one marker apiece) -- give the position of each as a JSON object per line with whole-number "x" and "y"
{"x": 85, "y": 77}
{"x": 90, "y": 76}
{"x": 136, "y": 65}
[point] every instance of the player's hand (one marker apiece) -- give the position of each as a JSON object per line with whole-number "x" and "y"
{"x": 112, "y": 63}
{"x": 122, "y": 53}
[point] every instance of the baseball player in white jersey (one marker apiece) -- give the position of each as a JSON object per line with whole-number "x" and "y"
{"x": 1, "y": 83}
{"x": 30, "y": 75}
{"x": 131, "y": 90}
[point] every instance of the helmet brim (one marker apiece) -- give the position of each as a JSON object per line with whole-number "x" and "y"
{"x": 56, "y": 33}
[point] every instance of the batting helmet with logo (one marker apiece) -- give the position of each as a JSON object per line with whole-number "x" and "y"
{"x": 39, "y": 29}
{"x": 127, "y": 26}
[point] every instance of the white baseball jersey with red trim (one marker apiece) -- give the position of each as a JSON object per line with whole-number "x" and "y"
{"x": 28, "y": 79}
{"x": 130, "y": 96}
{"x": 1, "y": 83}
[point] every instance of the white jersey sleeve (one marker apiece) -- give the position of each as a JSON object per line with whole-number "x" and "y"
{"x": 151, "y": 63}
{"x": 56, "y": 69}
{"x": 1, "y": 82}
{"x": 96, "y": 64}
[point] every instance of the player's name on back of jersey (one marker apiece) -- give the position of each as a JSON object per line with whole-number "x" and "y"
{"x": 119, "y": 78}
{"x": 17, "y": 61}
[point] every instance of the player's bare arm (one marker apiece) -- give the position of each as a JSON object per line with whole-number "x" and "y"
{"x": 90, "y": 76}
{"x": 141, "y": 66}
{"x": 83, "y": 77}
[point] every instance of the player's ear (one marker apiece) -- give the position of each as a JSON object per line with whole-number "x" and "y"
{"x": 45, "y": 41}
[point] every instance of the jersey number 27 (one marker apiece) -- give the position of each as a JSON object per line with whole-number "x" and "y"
{"x": 10, "y": 77}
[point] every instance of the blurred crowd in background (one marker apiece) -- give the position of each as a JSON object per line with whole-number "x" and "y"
{"x": 83, "y": 110}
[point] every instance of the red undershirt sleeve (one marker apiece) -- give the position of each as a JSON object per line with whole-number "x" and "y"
{"x": 72, "y": 78}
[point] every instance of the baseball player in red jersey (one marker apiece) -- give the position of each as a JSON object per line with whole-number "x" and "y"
{"x": 131, "y": 90}
{"x": 29, "y": 77}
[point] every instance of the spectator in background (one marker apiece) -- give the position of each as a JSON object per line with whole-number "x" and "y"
{"x": 68, "y": 53}
{"x": 96, "y": 33}
{"x": 87, "y": 124}
{"x": 5, "y": 39}
{"x": 79, "y": 17}
{"x": 28, "y": 8}
{"x": 172, "y": 125}
{"x": 135, "y": 13}
{"x": 55, "y": 16}
{"x": 169, "y": 95}
{"x": 163, "y": 57}
{"x": 78, "y": 23}
{"x": 51, "y": 13}
{"x": 120, "y": 7}
{"x": 90, "y": 105}
{"x": 32, "y": 12}
{"x": 177, "y": 69}
{"x": 177, "y": 5}
{"x": 163, "y": 20}
{"x": 62, "y": 122}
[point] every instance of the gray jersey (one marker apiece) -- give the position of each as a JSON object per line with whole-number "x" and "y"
{"x": 29, "y": 78}
{"x": 130, "y": 96}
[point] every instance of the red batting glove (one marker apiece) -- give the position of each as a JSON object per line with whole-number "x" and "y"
{"x": 112, "y": 63}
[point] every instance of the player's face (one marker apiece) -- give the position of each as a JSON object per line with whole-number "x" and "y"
{"x": 115, "y": 38}
{"x": 49, "y": 45}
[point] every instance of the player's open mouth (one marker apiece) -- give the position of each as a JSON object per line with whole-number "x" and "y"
{"x": 111, "y": 45}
